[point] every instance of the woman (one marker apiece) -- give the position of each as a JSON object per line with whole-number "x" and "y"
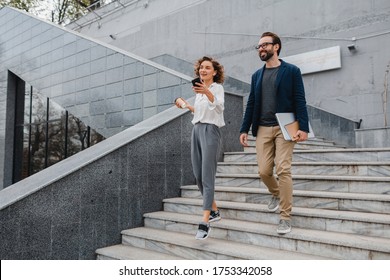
{"x": 206, "y": 136}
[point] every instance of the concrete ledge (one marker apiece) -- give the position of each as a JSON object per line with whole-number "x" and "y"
{"x": 374, "y": 137}
{"x": 332, "y": 127}
{"x": 68, "y": 166}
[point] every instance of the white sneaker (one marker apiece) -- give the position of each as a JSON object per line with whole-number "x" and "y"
{"x": 214, "y": 216}
{"x": 203, "y": 231}
{"x": 284, "y": 227}
{"x": 273, "y": 205}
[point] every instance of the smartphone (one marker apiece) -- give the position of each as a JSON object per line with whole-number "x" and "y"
{"x": 196, "y": 80}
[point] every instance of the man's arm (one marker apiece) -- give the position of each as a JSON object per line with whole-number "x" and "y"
{"x": 300, "y": 102}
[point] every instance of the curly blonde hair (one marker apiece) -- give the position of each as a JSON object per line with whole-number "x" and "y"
{"x": 219, "y": 77}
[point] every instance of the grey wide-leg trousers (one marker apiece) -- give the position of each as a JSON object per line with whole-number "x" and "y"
{"x": 205, "y": 145}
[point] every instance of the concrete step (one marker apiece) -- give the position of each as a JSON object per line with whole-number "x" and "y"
{"x": 306, "y": 241}
{"x": 252, "y": 149}
{"x": 369, "y": 224}
{"x": 355, "y": 184}
{"x": 316, "y": 145}
{"x": 315, "y": 168}
{"x": 372, "y": 203}
{"x": 322, "y": 155}
{"x": 186, "y": 246}
{"x": 124, "y": 252}
{"x": 299, "y": 146}
{"x": 315, "y": 140}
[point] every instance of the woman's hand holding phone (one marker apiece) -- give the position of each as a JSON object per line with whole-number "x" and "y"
{"x": 195, "y": 81}
{"x": 198, "y": 86}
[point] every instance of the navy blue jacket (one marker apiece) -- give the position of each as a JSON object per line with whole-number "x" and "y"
{"x": 290, "y": 97}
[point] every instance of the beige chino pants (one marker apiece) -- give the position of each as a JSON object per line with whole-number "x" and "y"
{"x": 273, "y": 151}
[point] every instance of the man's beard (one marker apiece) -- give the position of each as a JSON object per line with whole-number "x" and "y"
{"x": 266, "y": 57}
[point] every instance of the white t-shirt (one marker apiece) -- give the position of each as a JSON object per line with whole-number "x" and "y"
{"x": 207, "y": 112}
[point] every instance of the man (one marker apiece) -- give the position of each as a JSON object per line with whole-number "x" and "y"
{"x": 275, "y": 88}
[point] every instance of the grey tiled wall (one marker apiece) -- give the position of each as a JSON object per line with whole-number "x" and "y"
{"x": 106, "y": 88}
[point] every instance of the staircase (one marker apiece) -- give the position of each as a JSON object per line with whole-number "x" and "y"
{"x": 341, "y": 210}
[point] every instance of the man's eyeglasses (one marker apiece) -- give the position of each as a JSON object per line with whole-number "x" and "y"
{"x": 264, "y": 45}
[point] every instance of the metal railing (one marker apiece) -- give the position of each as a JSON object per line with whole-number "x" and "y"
{"x": 97, "y": 6}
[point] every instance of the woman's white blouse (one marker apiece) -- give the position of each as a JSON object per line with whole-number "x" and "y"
{"x": 207, "y": 112}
